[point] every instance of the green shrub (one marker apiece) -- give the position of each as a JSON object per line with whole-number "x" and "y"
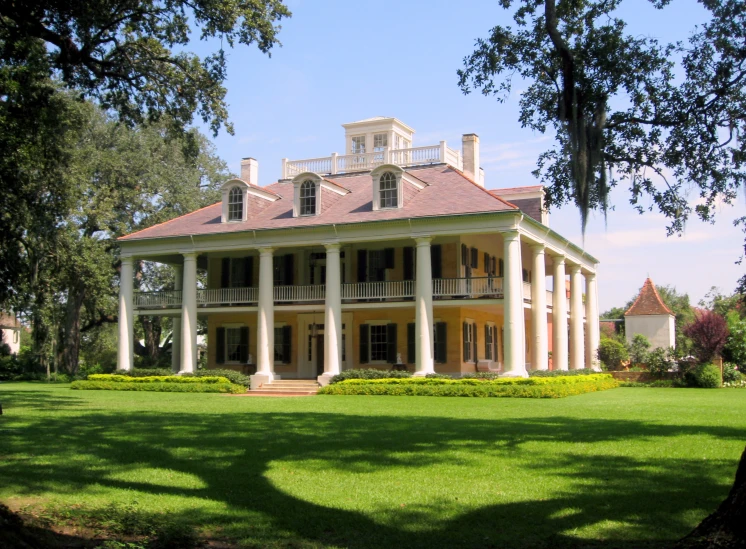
{"x": 707, "y": 376}
{"x": 731, "y": 373}
{"x": 659, "y": 361}
{"x": 369, "y": 374}
{"x": 234, "y": 377}
{"x": 160, "y": 386}
{"x": 157, "y": 379}
{"x": 440, "y": 376}
{"x": 612, "y": 353}
{"x": 145, "y": 372}
{"x": 514, "y": 387}
{"x": 481, "y": 375}
{"x": 558, "y": 373}
{"x": 638, "y": 349}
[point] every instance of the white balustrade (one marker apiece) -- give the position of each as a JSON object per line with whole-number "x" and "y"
{"x": 315, "y": 165}
{"x": 416, "y": 155}
{"x": 231, "y": 296}
{"x": 453, "y": 157}
{"x": 378, "y": 290}
{"x": 313, "y": 292}
{"x": 549, "y": 298}
{"x": 468, "y": 287}
{"x": 145, "y": 300}
{"x": 527, "y": 291}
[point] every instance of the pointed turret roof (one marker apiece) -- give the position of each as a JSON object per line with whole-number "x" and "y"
{"x": 649, "y": 302}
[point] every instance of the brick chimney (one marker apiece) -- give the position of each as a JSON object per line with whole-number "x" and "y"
{"x": 470, "y": 153}
{"x": 250, "y": 171}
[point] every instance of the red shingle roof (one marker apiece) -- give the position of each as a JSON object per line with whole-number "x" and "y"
{"x": 517, "y": 190}
{"x": 448, "y": 192}
{"x": 649, "y": 302}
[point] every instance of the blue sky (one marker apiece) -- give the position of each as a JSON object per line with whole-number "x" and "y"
{"x": 345, "y": 61}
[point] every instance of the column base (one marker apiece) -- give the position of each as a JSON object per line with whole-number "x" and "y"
{"x": 257, "y": 380}
{"x": 324, "y": 379}
{"x": 422, "y": 373}
{"x": 182, "y": 372}
{"x": 515, "y": 373}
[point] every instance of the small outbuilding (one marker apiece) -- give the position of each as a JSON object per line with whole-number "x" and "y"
{"x": 650, "y": 317}
{"x": 11, "y": 330}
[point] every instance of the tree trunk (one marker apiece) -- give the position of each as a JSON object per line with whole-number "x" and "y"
{"x": 70, "y": 352}
{"x": 152, "y": 329}
{"x": 726, "y": 527}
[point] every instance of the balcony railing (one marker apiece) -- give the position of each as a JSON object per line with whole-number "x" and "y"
{"x": 360, "y": 162}
{"x": 443, "y": 288}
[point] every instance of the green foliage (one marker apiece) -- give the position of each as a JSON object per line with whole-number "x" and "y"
{"x": 156, "y": 379}
{"x": 480, "y": 375}
{"x": 159, "y": 386}
{"x": 731, "y": 374}
{"x": 562, "y": 373}
{"x": 441, "y": 376}
{"x": 735, "y": 344}
{"x": 145, "y": 372}
{"x": 707, "y": 376}
{"x": 234, "y": 377}
{"x": 612, "y": 353}
{"x": 708, "y": 333}
{"x": 638, "y": 349}
{"x": 368, "y": 373}
{"x": 512, "y": 387}
{"x": 660, "y": 361}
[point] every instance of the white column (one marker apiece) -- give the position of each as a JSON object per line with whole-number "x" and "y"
{"x": 189, "y": 315}
{"x": 540, "y": 359}
{"x": 559, "y": 316}
{"x": 176, "y": 322}
{"x": 591, "y": 322}
{"x": 424, "y": 363}
{"x": 126, "y": 317}
{"x": 332, "y": 315}
{"x": 265, "y": 337}
{"x": 515, "y": 336}
{"x": 577, "y": 348}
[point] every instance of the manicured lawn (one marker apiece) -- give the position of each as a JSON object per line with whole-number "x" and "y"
{"x": 621, "y": 468}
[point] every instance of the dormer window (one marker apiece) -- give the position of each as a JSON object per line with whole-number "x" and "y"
{"x": 235, "y": 204}
{"x": 387, "y": 187}
{"x": 308, "y": 198}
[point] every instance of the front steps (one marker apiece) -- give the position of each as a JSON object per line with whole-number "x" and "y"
{"x": 286, "y": 388}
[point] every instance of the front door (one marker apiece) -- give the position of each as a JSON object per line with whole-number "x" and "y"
{"x": 319, "y": 354}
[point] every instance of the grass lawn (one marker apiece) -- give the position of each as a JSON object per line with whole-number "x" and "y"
{"x": 630, "y": 467}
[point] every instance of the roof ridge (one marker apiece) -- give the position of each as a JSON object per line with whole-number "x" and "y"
{"x": 639, "y": 308}
{"x": 470, "y": 180}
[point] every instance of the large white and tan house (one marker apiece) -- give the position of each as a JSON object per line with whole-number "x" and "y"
{"x": 389, "y": 254}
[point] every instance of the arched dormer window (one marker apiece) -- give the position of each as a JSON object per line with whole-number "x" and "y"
{"x": 388, "y": 184}
{"x": 389, "y": 194}
{"x": 308, "y": 197}
{"x": 235, "y": 204}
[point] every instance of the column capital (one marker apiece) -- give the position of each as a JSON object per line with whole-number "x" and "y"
{"x": 127, "y": 258}
{"x": 574, "y": 268}
{"x": 538, "y": 248}
{"x": 189, "y": 256}
{"x": 332, "y": 246}
{"x": 511, "y": 235}
{"x": 266, "y": 251}
{"x": 558, "y": 259}
{"x": 590, "y": 275}
{"x": 423, "y": 240}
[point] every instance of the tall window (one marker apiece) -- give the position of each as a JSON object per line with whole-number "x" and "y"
{"x": 234, "y": 349}
{"x": 235, "y": 204}
{"x": 388, "y": 190}
{"x": 378, "y": 342}
{"x": 358, "y": 144}
{"x": 308, "y": 198}
{"x": 490, "y": 342}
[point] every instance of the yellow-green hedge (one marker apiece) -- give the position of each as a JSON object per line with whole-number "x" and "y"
{"x": 555, "y": 387}
{"x": 160, "y": 386}
{"x": 116, "y": 378}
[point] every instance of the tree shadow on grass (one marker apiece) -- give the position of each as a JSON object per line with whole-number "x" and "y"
{"x": 638, "y": 503}
{"x": 13, "y": 398}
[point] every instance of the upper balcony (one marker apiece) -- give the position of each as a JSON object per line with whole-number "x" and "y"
{"x": 366, "y": 161}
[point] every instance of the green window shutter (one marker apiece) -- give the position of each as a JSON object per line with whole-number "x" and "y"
{"x": 225, "y": 272}
{"x": 364, "y": 344}
{"x": 501, "y": 265}
{"x": 391, "y": 343}
{"x": 474, "y": 345}
{"x": 220, "y": 346}
{"x": 411, "y": 350}
{"x": 466, "y": 343}
{"x": 436, "y": 261}
{"x": 409, "y": 263}
{"x": 287, "y": 344}
{"x": 248, "y": 272}
{"x": 464, "y": 255}
{"x": 486, "y": 263}
{"x": 362, "y": 266}
{"x": 474, "y": 258}
{"x": 487, "y": 345}
{"x": 389, "y": 258}
{"x": 244, "y": 345}
{"x": 441, "y": 336}
{"x": 289, "y": 269}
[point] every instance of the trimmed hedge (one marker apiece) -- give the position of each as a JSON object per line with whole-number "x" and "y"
{"x": 145, "y": 372}
{"x": 369, "y": 373}
{"x": 116, "y": 378}
{"x": 507, "y": 387}
{"x": 160, "y": 386}
{"x": 231, "y": 375}
{"x": 562, "y": 373}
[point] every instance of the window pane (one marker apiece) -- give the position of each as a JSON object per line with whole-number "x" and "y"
{"x": 380, "y": 140}
{"x": 387, "y": 188}
{"x": 233, "y": 344}
{"x": 235, "y": 204}
{"x": 358, "y": 144}
{"x": 238, "y": 266}
{"x": 278, "y": 344}
{"x": 308, "y": 198}
{"x": 378, "y": 343}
